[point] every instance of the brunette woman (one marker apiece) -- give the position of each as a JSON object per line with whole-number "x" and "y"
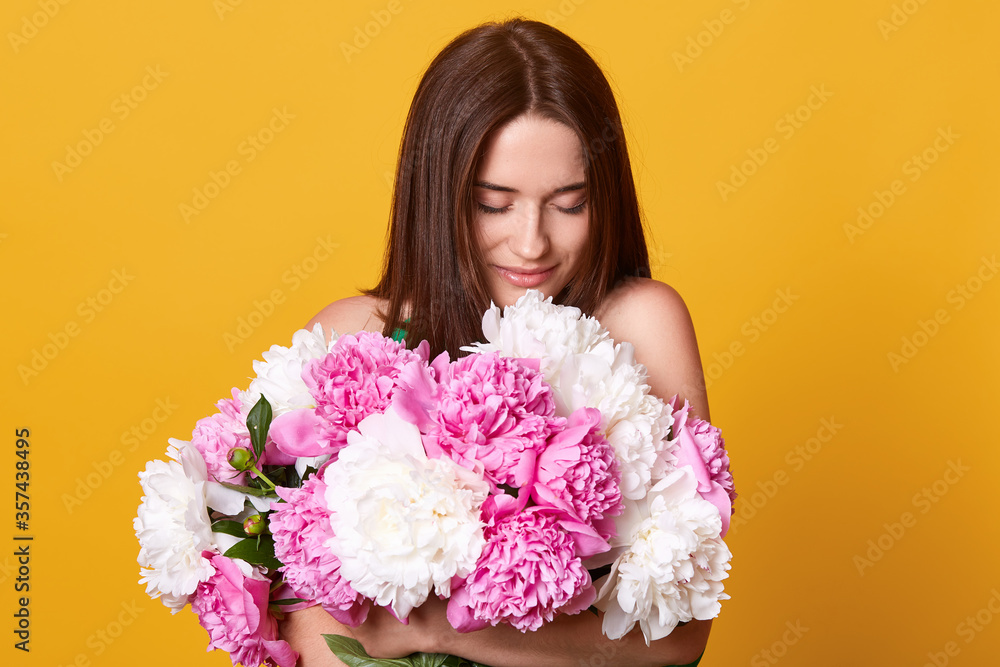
{"x": 513, "y": 174}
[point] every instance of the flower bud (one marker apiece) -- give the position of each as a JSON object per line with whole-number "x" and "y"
{"x": 254, "y": 525}
{"x": 240, "y": 458}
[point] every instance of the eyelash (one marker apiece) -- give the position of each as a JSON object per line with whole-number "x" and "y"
{"x": 493, "y": 211}
{"x": 489, "y": 209}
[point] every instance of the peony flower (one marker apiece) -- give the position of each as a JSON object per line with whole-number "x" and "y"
{"x": 578, "y": 472}
{"x": 301, "y": 528}
{"x": 700, "y": 445}
{"x": 216, "y": 435}
{"x": 279, "y": 376}
{"x": 537, "y": 328}
{"x": 529, "y": 571}
{"x": 633, "y": 420}
{"x": 491, "y": 413}
{"x": 232, "y": 606}
{"x": 403, "y": 524}
{"x": 356, "y": 379}
{"x": 671, "y": 562}
{"x": 173, "y": 527}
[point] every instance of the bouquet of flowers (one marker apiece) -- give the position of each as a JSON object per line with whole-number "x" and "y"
{"x": 536, "y": 476}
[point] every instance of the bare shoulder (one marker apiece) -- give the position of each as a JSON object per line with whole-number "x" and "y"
{"x": 653, "y": 317}
{"x": 350, "y": 315}
{"x": 644, "y": 311}
{"x": 632, "y": 300}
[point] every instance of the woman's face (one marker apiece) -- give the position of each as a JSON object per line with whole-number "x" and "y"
{"x": 531, "y": 215}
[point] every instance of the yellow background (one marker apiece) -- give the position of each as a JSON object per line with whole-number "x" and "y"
{"x": 894, "y": 77}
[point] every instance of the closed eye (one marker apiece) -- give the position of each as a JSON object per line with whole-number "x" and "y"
{"x": 494, "y": 210}
{"x": 490, "y": 209}
{"x": 575, "y": 209}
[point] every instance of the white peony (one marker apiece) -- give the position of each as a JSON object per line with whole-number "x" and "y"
{"x": 535, "y": 327}
{"x": 671, "y": 564}
{"x": 173, "y": 525}
{"x": 634, "y": 421}
{"x": 404, "y": 524}
{"x": 279, "y": 376}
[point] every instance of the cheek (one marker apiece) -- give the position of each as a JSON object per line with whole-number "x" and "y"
{"x": 490, "y": 230}
{"x": 580, "y": 240}
{"x": 482, "y": 233}
{"x": 578, "y": 236}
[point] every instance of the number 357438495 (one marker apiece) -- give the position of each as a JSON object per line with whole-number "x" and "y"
{"x": 22, "y": 476}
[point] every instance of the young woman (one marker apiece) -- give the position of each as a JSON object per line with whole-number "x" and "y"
{"x": 513, "y": 174}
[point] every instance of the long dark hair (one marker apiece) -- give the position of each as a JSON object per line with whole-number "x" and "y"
{"x": 483, "y": 79}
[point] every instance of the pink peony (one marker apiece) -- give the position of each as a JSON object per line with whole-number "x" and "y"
{"x": 492, "y": 412}
{"x": 301, "y": 527}
{"x": 356, "y": 379}
{"x": 232, "y": 607}
{"x": 215, "y": 435}
{"x": 578, "y": 472}
{"x": 528, "y": 572}
{"x": 700, "y": 445}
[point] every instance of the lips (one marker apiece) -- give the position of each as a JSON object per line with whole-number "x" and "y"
{"x": 522, "y": 277}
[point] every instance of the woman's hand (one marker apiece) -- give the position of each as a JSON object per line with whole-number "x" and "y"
{"x": 568, "y": 640}
{"x": 303, "y": 631}
{"x": 427, "y": 630}
{"x": 381, "y": 634}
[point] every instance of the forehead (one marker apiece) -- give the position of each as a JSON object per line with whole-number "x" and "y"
{"x": 532, "y": 151}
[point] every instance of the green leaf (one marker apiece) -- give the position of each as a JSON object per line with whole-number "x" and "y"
{"x": 234, "y": 528}
{"x": 257, "y": 483}
{"x": 283, "y": 476}
{"x": 258, "y": 421}
{"x": 263, "y": 493}
{"x": 455, "y": 661}
{"x": 288, "y": 601}
{"x": 352, "y": 653}
{"x": 256, "y": 551}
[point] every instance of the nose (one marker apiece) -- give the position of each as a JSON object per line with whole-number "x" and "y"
{"x": 530, "y": 238}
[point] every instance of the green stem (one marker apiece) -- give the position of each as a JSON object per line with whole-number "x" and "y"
{"x": 263, "y": 476}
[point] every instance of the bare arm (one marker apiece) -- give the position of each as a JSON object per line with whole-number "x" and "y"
{"x": 568, "y": 640}
{"x": 303, "y": 631}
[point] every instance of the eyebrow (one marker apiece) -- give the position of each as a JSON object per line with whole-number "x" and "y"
{"x": 504, "y": 188}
